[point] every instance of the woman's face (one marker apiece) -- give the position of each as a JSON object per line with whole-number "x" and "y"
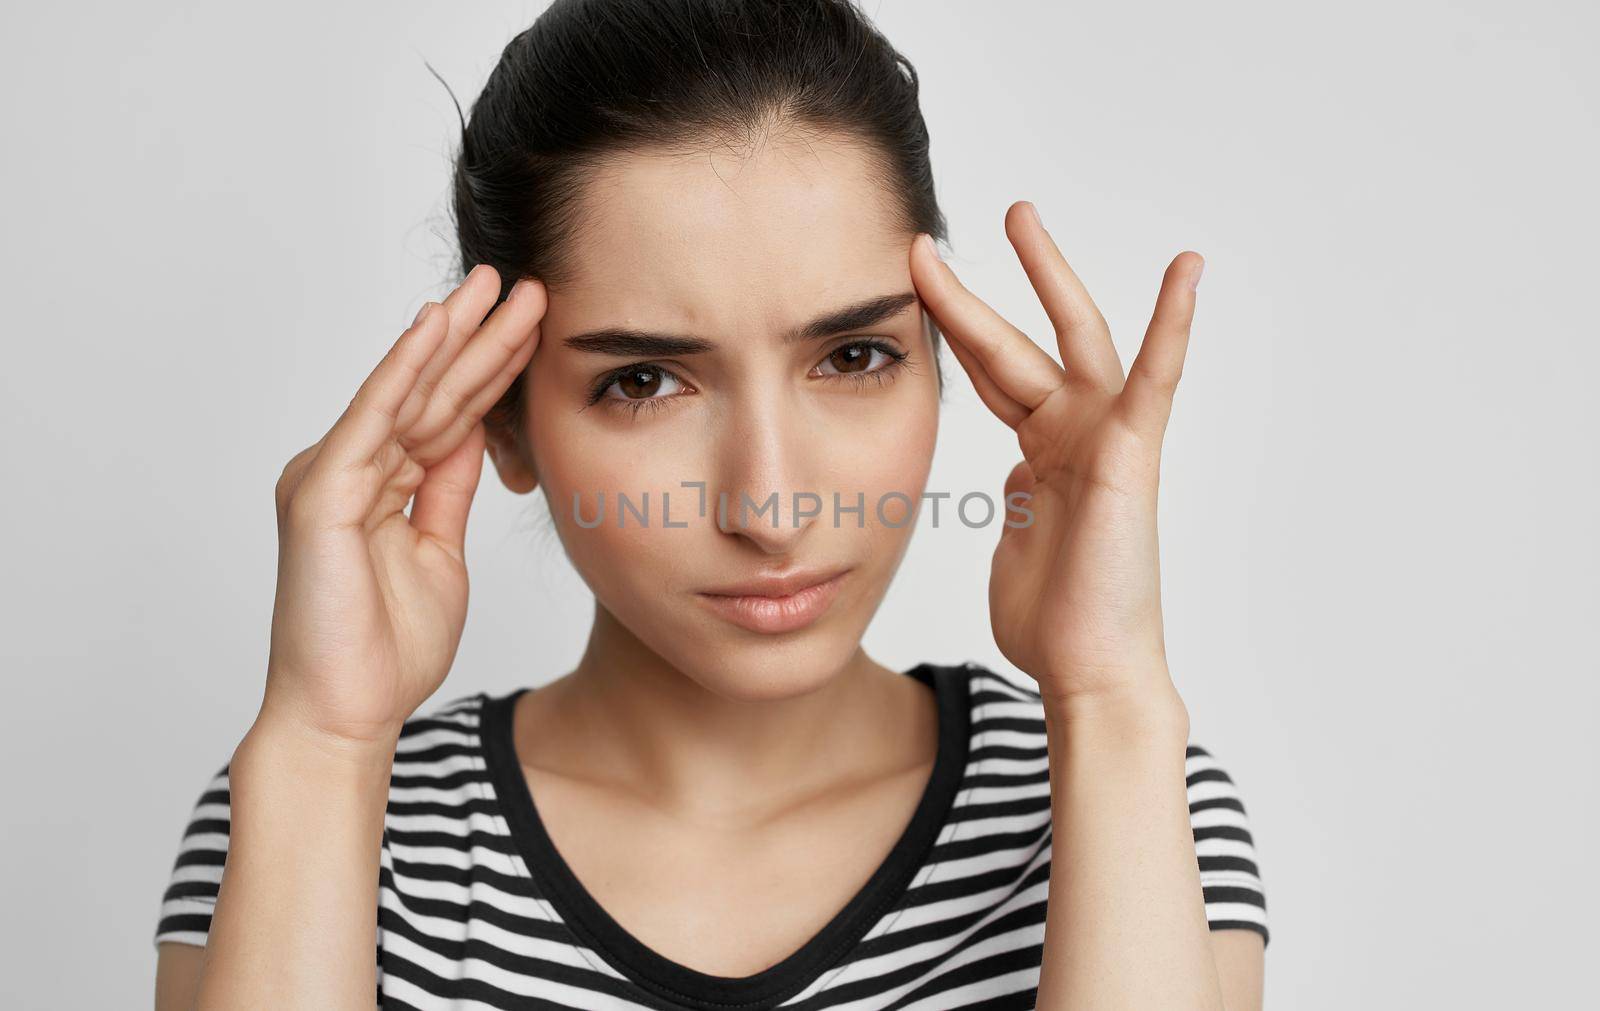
{"x": 749, "y": 323}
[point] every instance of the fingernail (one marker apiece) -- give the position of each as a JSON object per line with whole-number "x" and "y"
{"x": 1194, "y": 275}
{"x": 1034, "y": 210}
{"x": 422, "y": 313}
{"x": 933, "y": 247}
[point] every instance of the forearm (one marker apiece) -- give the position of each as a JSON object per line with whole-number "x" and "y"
{"x": 1126, "y": 925}
{"x": 296, "y": 918}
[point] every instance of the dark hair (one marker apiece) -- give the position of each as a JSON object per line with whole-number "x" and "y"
{"x": 591, "y": 78}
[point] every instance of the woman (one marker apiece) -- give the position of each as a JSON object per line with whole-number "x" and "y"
{"x": 705, "y": 280}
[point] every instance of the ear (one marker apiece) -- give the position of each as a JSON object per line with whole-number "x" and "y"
{"x": 509, "y": 462}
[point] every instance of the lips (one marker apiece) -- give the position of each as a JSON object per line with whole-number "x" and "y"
{"x": 777, "y": 603}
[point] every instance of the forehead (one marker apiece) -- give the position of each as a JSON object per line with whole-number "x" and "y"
{"x": 716, "y": 240}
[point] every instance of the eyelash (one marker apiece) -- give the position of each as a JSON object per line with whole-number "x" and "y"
{"x": 635, "y": 405}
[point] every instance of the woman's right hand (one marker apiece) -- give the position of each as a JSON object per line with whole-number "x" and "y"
{"x": 371, "y": 602}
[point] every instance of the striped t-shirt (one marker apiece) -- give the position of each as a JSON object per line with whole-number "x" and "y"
{"x": 477, "y": 909}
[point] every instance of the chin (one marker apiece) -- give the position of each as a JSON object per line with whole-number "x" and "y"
{"x": 748, "y": 667}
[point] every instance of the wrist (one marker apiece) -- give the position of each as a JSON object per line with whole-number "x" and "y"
{"x": 277, "y": 739}
{"x": 287, "y": 718}
{"x": 1147, "y": 710}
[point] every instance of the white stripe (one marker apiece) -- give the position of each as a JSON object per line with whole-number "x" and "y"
{"x": 1211, "y": 789}
{"x": 1240, "y": 879}
{"x": 1001, "y": 794}
{"x": 475, "y": 821}
{"x": 979, "y": 827}
{"x": 1001, "y": 766}
{"x": 204, "y": 842}
{"x": 446, "y": 766}
{"x": 1224, "y": 848}
{"x": 1234, "y": 911}
{"x": 1218, "y": 817}
{"x": 458, "y": 796}
{"x": 999, "y": 737}
{"x": 474, "y": 856}
{"x": 437, "y": 737}
{"x": 209, "y": 873}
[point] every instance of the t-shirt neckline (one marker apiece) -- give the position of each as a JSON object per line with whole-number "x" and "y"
{"x": 678, "y": 983}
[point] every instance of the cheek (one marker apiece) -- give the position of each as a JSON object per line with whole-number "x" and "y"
{"x": 587, "y": 456}
{"x": 886, "y": 455}
{"x": 586, "y": 465}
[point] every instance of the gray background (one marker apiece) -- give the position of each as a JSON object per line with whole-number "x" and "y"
{"x": 1380, "y": 485}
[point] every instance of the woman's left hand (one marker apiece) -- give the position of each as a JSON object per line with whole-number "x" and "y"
{"x": 1075, "y": 594}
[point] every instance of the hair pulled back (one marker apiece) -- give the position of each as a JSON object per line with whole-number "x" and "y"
{"x": 592, "y": 78}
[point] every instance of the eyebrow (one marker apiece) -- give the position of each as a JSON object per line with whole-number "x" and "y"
{"x": 626, "y": 341}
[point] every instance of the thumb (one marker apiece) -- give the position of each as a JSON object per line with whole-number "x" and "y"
{"x": 1019, "y": 483}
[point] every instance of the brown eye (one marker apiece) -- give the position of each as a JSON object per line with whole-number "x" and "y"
{"x": 851, "y": 358}
{"x": 859, "y": 359}
{"x": 637, "y": 386}
{"x": 639, "y": 383}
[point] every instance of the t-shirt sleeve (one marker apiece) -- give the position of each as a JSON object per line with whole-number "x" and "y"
{"x": 1229, "y": 873}
{"x": 191, "y": 894}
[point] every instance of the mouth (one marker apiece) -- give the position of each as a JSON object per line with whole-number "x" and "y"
{"x": 775, "y": 604}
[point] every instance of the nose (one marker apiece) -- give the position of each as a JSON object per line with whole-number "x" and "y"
{"x": 765, "y": 491}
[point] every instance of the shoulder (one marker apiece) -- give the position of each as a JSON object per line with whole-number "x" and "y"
{"x": 436, "y": 768}
{"x": 196, "y": 872}
{"x": 1230, "y": 872}
{"x": 1008, "y": 763}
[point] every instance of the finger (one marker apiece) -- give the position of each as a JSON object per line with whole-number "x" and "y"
{"x": 491, "y": 394}
{"x": 466, "y": 305}
{"x": 382, "y": 491}
{"x": 482, "y": 402}
{"x": 369, "y": 420}
{"x": 1082, "y": 336}
{"x": 1153, "y": 377}
{"x": 444, "y": 498}
{"x": 503, "y": 335}
{"x": 1004, "y": 408}
{"x": 1021, "y": 369}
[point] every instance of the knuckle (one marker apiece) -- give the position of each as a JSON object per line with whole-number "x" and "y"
{"x": 302, "y": 508}
{"x": 1162, "y": 380}
{"x": 288, "y": 480}
{"x": 308, "y": 502}
{"x": 294, "y": 470}
{"x": 457, "y": 400}
{"x": 411, "y": 475}
{"x": 391, "y": 456}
